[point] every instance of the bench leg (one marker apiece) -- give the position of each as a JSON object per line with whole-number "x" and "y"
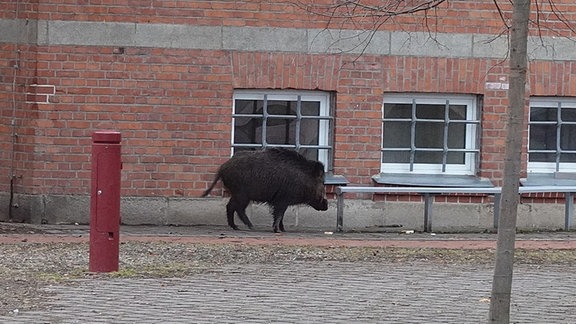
{"x": 428, "y": 199}
{"x": 339, "y": 212}
{"x": 568, "y": 210}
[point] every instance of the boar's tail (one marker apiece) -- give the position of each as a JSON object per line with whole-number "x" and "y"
{"x": 211, "y": 186}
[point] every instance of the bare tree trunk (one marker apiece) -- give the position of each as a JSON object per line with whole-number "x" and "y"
{"x": 503, "y": 270}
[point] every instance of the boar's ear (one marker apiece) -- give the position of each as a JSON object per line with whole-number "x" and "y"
{"x": 318, "y": 170}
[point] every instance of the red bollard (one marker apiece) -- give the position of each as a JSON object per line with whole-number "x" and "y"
{"x": 105, "y": 201}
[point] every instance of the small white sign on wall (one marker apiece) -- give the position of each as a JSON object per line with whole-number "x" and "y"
{"x": 497, "y": 86}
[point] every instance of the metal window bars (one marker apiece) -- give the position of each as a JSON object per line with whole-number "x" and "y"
{"x": 445, "y": 149}
{"x": 559, "y": 122}
{"x": 299, "y": 117}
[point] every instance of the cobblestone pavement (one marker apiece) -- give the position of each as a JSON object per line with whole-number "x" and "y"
{"x": 304, "y": 292}
{"x": 315, "y": 292}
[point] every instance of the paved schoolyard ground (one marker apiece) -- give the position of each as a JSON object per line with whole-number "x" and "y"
{"x": 309, "y": 292}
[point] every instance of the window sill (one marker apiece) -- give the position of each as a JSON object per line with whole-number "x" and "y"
{"x": 335, "y": 180}
{"x": 431, "y": 180}
{"x": 549, "y": 179}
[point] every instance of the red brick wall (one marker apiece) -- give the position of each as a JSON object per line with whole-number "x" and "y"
{"x": 17, "y": 118}
{"x": 7, "y": 61}
{"x": 173, "y": 106}
{"x": 460, "y": 16}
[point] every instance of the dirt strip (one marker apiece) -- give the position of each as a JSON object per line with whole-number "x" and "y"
{"x": 298, "y": 241}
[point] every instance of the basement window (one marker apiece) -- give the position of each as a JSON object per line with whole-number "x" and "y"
{"x": 552, "y": 136}
{"x": 434, "y": 134}
{"x": 301, "y": 120}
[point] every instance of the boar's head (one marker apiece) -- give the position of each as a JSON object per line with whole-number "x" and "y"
{"x": 318, "y": 200}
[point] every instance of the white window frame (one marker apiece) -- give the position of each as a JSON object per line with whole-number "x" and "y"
{"x": 316, "y": 96}
{"x": 470, "y": 160}
{"x": 549, "y": 167}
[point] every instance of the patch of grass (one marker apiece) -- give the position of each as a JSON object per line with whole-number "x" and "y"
{"x": 178, "y": 260}
{"x": 152, "y": 271}
{"x": 557, "y": 257}
{"x": 60, "y": 277}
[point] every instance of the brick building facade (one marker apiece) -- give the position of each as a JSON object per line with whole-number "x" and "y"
{"x": 187, "y": 83}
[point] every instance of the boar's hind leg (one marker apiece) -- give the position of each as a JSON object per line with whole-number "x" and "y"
{"x": 230, "y": 214}
{"x": 238, "y": 206}
{"x": 278, "y": 213}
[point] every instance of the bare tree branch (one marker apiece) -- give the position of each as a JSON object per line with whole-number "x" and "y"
{"x": 543, "y": 23}
{"x": 368, "y": 19}
{"x": 501, "y": 14}
{"x": 357, "y": 9}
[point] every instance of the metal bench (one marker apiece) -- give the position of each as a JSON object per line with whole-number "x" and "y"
{"x": 568, "y": 192}
{"x": 430, "y": 192}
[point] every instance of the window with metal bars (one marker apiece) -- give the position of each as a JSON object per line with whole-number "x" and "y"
{"x": 300, "y": 120}
{"x": 552, "y": 139}
{"x": 429, "y": 134}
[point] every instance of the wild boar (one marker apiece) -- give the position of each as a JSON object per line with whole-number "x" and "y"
{"x": 279, "y": 177}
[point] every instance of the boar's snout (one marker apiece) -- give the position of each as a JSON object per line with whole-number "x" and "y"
{"x": 321, "y": 204}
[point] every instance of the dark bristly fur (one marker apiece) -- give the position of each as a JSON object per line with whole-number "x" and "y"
{"x": 279, "y": 177}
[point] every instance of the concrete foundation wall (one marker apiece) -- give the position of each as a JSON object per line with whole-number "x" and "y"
{"x": 359, "y": 215}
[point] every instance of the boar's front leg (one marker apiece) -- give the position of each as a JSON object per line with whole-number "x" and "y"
{"x": 243, "y": 217}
